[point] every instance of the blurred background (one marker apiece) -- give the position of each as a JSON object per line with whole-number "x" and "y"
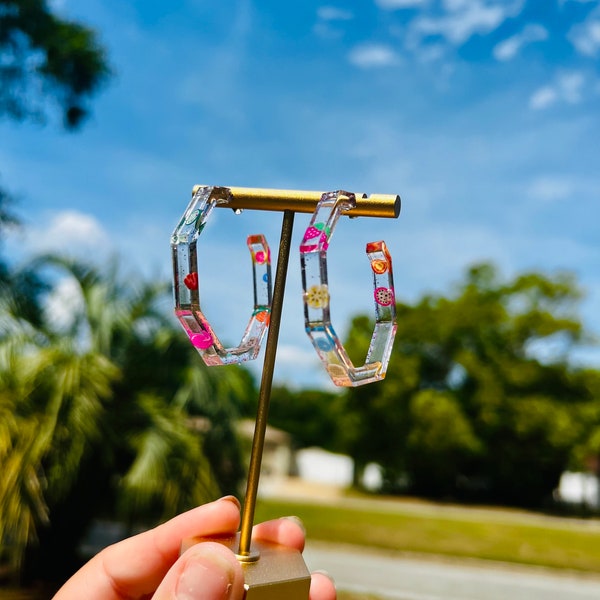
{"x": 482, "y": 115}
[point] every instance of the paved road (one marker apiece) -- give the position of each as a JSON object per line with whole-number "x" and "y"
{"x": 400, "y": 578}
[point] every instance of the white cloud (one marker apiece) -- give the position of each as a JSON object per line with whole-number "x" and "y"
{"x": 550, "y": 188}
{"x": 332, "y": 13}
{"x": 70, "y": 232}
{"x": 368, "y": 56}
{"x": 64, "y": 304}
{"x": 397, "y": 4}
{"x": 586, "y": 36}
{"x": 465, "y": 18}
{"x": 510, "y": 47}
{"x": 434, "y": 53}
{"x": 297, "y": 356}
{"x": 543, "y": 98}
{"x": 328, "y": 20}
{"x": 298, "y": 366}
{"x": 568, "y": 88}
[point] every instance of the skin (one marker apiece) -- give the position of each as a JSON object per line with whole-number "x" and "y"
{"x": 149, "y": 565}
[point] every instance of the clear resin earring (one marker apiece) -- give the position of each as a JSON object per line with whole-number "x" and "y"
{"x": 186, "y": 259}
{"x": 317, "y": 317}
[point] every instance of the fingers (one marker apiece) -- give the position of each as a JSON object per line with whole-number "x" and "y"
{"x": 141, "y": 564}
{"x": 322, "y": 587}
{"x": 206, "y": 571}
{"x": 210, "y": 571}
{"x": 148, "y": 563}
{"x": 287, "y": 531}
{"x": 135, "y": 567}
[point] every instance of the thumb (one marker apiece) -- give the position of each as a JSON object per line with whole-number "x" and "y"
{"x": 206, "y": 571}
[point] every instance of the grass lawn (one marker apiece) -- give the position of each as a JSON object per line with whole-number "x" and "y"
{"x": 507, "y": 537}
{"x": 434, "y": 529}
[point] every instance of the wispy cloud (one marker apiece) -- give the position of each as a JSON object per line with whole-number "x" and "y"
{"x": 333, "y": 13}
{"x": 398, "y": 4}
{"x": 71, "y": 232}
{"x": 479, "y": 178}
{"x": 550, "y": 188}
{"x": 510, "y": 47}
{"x": 297, "y": 356}
{"x": 567, "y": 88}
{"x": 329, "y": 21}
{"x": 585, "y": 36}
{"x": 368, "y": 56}
{"x": 64, "y": 303}
{"x": 462, "y": 19}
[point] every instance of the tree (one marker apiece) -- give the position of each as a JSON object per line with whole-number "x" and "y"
{"x": 470, "y": 408}
{"x": 8, "y": 221}
{"x": 45, "y": 57}
{"x": 440, "y": 439}
{"x": 310, "y": 416}
{"x": 7, "y": 218}
{"x": 95, "y": 412}
{"x": 586, "y": 453}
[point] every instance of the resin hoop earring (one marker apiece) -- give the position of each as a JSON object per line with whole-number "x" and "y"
{"x": 186, "y": 284}
{"x": 317, "y": 317}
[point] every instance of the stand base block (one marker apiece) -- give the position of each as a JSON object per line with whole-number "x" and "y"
{"x": 271, "y": 572}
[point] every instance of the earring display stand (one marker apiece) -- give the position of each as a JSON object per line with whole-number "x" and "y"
{"x": 272, "y": 571}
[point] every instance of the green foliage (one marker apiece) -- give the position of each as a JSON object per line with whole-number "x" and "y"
{"x": 311, "y": 416}
{"x": 169, "y": 471}
{"x": 586, "y": 452}
{"x": 7, "y": 218}
{"x": 469, "y": 409}
{"x": 97, "y": 412}
{"x": 441, "y": 439}
{"x": 97, "y": 416}
{"x": 43, "y": 57}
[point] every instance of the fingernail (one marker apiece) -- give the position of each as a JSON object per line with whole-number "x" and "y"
{"x": 205, "y": 576}
{"x": 231, "y": 499}
{"x": 325, "y": 574}
{"x": 298, "y": 522}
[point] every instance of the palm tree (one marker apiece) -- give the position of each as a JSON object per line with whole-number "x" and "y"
{"x": 94, "y": 416}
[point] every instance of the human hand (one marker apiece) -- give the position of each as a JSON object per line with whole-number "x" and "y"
{"x": 148, "y": 565}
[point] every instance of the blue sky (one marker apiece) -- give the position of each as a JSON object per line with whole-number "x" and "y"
{"x": 483, "y": 115}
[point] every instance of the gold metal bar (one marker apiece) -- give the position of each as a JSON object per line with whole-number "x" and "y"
{"x": 264, "y": 397}
{"x": 375, "y": 205}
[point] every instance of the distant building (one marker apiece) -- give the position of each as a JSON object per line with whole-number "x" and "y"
{"x": 285, "y": 470}
{"x": 579, "y": 488}
{"x": 278, "y": 457}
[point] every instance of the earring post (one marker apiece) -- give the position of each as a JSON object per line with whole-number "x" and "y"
{"x": 264, "y": 397}
{"x": 375, "y": 205}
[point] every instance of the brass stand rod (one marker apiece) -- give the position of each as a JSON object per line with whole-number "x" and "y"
{"x": 375, "y": 205}
{"x": 266, "y": 383}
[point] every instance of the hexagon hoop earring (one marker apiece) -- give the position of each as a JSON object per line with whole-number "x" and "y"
{"x": 186, "y": 284}
{"x": 317, "y": 317}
